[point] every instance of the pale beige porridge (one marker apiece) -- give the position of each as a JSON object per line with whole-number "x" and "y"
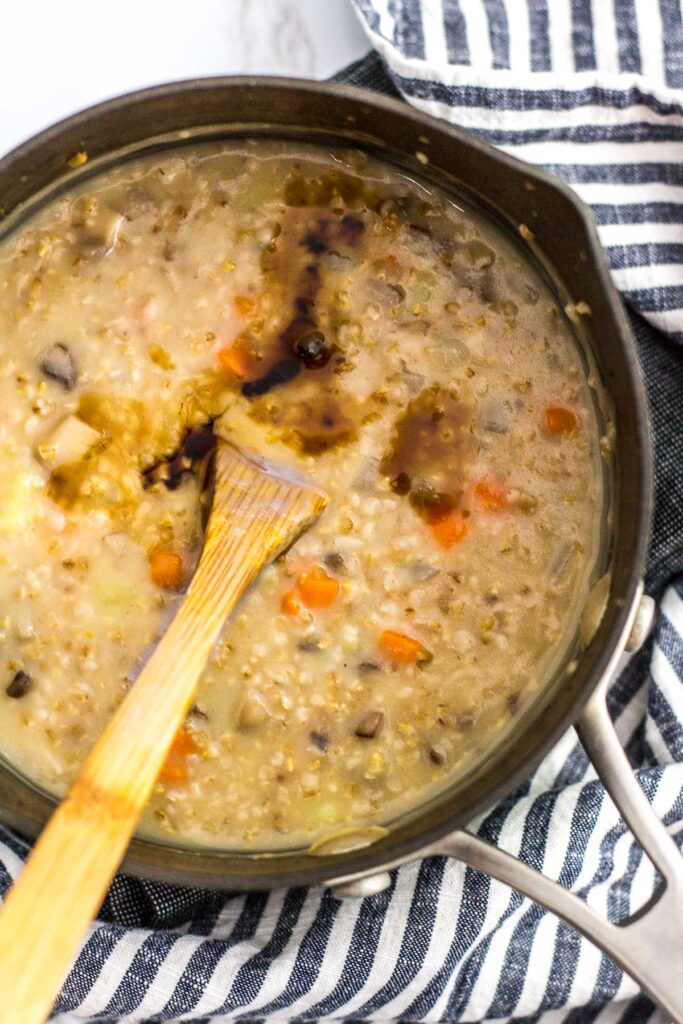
{"x": 400, "y": 350}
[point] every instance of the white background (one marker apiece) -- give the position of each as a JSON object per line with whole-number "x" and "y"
{"x": 59, "y": 56}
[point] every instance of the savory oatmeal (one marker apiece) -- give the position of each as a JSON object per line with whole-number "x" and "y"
{"x": 336, "y": 313}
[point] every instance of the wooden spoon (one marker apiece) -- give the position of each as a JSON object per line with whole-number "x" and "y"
{"x": 257, "y": 512}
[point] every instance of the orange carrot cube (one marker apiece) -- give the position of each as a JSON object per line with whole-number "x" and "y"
{"x": 166, "y": 569}
{"x": 290, "y": 604}
{"x": 317, "y": 589}
{"x": 450, "y": 529}
{"x": 558, "y": 419}
{"x": 491, "y": 496}
{"x": 234, "y": 361}
{"x": 401, "y": 648}
{"x": 175, "y": 766}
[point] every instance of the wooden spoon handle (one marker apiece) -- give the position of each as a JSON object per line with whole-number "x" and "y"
{"x": 66, "y": 876}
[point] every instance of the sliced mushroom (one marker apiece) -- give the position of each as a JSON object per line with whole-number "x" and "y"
{"x": 370, "y": 725}
{"x": 366, "y": 667}
{"x": 57, "y": 363}
{"x": 310, "y": 645}
{"x": 513, "y": 702}
{"x": 437, "y": 755}
{"x": 252, "y": 713}
{"x": 319, "y": 739}
{"x": 196, "y": 712}
{"x": 334, "y": 560}
{"x": 99, "y": 232}
{"x": 20, "y": 684}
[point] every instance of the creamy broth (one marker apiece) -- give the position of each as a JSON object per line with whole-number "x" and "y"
{"x": 332, "y": 312}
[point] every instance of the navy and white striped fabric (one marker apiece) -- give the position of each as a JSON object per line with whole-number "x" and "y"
{"x": 591, "y": 90}
{"x": 445, "y": 943}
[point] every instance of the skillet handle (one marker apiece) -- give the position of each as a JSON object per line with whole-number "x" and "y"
{"x": 648, "y": 945}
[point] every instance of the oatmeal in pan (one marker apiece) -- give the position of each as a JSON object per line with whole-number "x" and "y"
{"x": 330, "y": 311}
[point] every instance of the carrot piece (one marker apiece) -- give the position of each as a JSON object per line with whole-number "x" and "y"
{"x": 450, "y": 529}
{"x": 173, "y": 770}
{"x": 175, "y": 766}
{"x": 316, "y": 588}
{"x": 166, "y": 569}
{"x": 491, "y": 496}
{"x": 289, "y": 603}
{"x": 244, "y": 305}
{"x": 183, "y": 744}
{"x": 403, "y": 649}
{"x": 557, "y": 419}
{"x": 234, "y": 360}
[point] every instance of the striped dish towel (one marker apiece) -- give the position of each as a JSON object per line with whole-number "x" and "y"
{"x": 590, "y": 89}
{"x": 591, "y": 92}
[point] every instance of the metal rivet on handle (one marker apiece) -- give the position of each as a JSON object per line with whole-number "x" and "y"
{"x": 361, "y": 887}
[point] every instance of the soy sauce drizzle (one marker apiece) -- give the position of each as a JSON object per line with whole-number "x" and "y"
{"x": 316, "y": 416}
{"x": 301, "y": 344}
{"x": 431, "y": 450}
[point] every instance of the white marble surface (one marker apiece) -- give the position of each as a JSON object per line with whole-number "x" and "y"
{"x": 62, "y": 55}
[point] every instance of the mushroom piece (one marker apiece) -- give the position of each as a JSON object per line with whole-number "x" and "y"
{"x": 370, "y": 725}
{"x": 334, "y": 560}
{"x": 513, "y": 702}
{"x": 309, "y": 644}
{"x": 437, "y": 755}
{"x": 319, "y": 739}
{"x": 252, "y": 713}
{"x": 196, "y": 712}
{"x": 20, "y": 684}
{"x": 100, "y": 232}
{"x": 57, "y": 363}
